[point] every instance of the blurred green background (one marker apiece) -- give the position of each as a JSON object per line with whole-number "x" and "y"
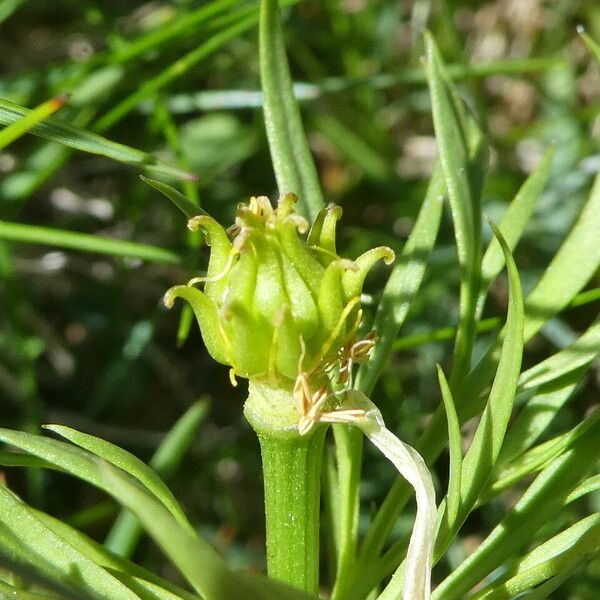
{"x": 84, "y": 338}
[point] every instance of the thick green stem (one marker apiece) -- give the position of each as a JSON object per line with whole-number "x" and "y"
{"x": 292, "y": 475}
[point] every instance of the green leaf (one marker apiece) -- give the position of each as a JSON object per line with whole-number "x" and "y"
{"x": 32, "y": 542}
{"x": 579, "y": 354}
{"x": 559, "y": 554}
{"x": 533, "y": 460}
{"x": 591, "y": 484}
{"x": 83, "y": 242}
{"x": 125, "y": 533}
{"x": 293, "y": 163}
{"x": 538, "y": 507}
{"x": 487, "y": 441}
{"x": 178, "y": 68}
{"x": 24, "y": 124}
{"x": 196, "y": 560}
{"x": 187, "y": 551}
{"x": 463, "y": 158}
{"x": 8, "y": 591}
{"x": 513, "y": 223}
{"x": 455, "y": 449}
{"x": 143, "y": 582}
{"x": 404, "y": 282}
{"x": 127, "y": 462}
{"x": 186, "y": 206}
{"x": 561, "y": 282}
{"x": 86, "y": 141}
{"x": 401, "y": 288}
{"x": 538, "y": 413}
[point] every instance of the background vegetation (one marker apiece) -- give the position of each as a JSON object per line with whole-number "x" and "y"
{"x": 84, "y": 339}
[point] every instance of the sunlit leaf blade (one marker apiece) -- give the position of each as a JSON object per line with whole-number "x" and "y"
{"x": 132, "y": 575}
{"x": 579, "y": 354}
{"x": 86, "y": 141}
{"x": 84, "y": 242}
{"x": 514, "y": 222}
{"x": 487, "y": 441}
{"x": 463, "y": 159}
{"x": 36, "y": 544}
{"x": 186, "y": 549}
{"x": 24, "y": 124}
{"x": 196, "y": 560}
{"x": 14, "y": 593}
{"x": 538, "y": 507}
{"x": 591, "y": 484}
{"x": 404, "y": 282}
{"x": 292, "y": 160}
{"x": 125, "y": 533}
{"x": 127, "y": 462}
{"x": 533, "y": 460}
{"x": 561, "y": 281}
{"x": 433, "y": 438}
{"x": 558, "y": 555}
{"x": 455, "y": 449}
{"x": 33, "y": 575}
{"x": 186, "y": 206}
{"x": 538, "y": 413}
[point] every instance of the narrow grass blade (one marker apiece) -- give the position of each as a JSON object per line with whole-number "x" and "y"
{"x": 86, "y": 141}
{"x": 561, "y": 281}
{"x": 186, "y": 206}
{"x": 463, "y": 160}
{"x": 579, "y": 354}
{"x": 195, "y": 558}
{"x": 23, "y": 569}
{"x": 127, "y": 462}
{"x": 560, "y": 554}
{"x": 455, "y": 449}
{"x": 539, "y": 506}
{"x": 126, "y": 531}
{"x": 198, "y": 563}
{"x": 129, "y": 573}
{"x": 83, "y": 242}
{"x": 294, "y": 166}
{"x": 36, "y": 544}
{"x": 538, "y": 413}
{"x": 174, "y": 71}
{"x": 8, "y": 591}
{"x": 591, "y": 484}
{"x": 404, "y": 282}
{"x": 24, "y": 124}
{"x": 533, "y": 460}
{"x": 513, "y": 223}
{"x": 487, "y": 441}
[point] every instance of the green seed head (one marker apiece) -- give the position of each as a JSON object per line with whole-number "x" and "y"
{"x": 275, "y": 305}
